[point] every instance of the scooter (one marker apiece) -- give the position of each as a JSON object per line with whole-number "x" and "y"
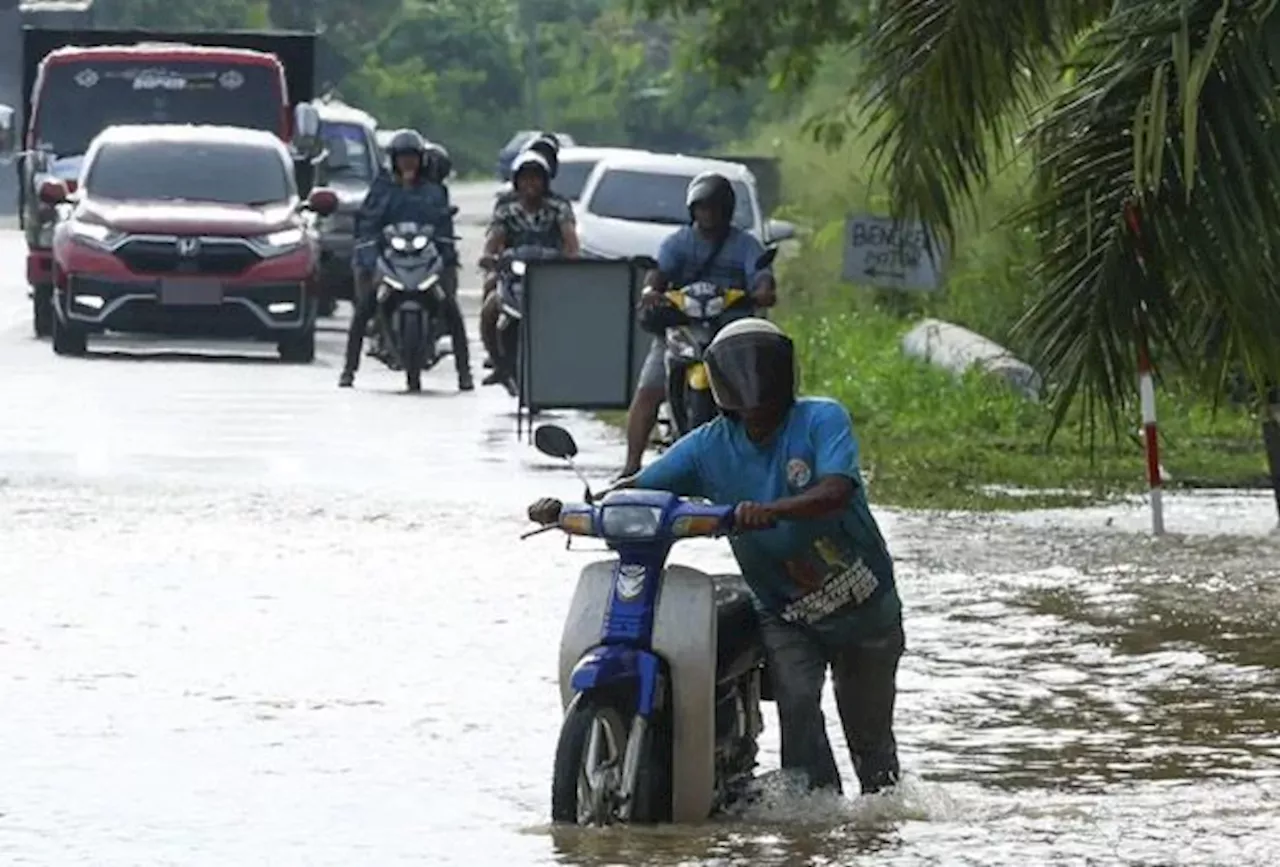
{"x": 410, "y": 298}
{"x": 689, "y": 319}
{"x": 662, "y": 670}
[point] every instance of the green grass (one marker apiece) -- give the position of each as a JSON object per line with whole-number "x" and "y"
{"x": 933, "y": 440}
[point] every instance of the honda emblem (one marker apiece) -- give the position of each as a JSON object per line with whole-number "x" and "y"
{"x": 188, "y": 247}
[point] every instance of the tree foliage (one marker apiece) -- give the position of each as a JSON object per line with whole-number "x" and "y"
{"x": 462, "y": 71}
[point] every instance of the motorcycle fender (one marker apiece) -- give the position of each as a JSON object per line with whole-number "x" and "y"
{"x": 696, "y": 376}
{"x": 684, "y": 635}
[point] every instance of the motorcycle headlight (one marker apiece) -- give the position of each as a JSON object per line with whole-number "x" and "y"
{"x": 517, "y": 268}
{"x": 429, "y": 282}
{"x": 94, "y": 234}
{"x": 420, "y": 242}
{"x": 399, "y": 244}
{"x": 283, "y": 241}
{"x": 631, "y": 522}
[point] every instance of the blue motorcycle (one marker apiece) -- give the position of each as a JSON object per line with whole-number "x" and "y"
{"x": 662, "y": 670}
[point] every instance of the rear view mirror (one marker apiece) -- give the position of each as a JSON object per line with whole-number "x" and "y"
{"x": 766, "y": 258}
{"x": 453, "y": 210}
{"x": 323, "y": 202}
{"x": 53, "y": 191}
{"x": 555, "y": 441}
{"x": 8, "y": 133}
{"x": 779, "y": 230}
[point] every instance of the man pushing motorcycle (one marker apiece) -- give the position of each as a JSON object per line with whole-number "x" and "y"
{"x": 412, "y": 192}
{"x": 710, "y": 249}
{"x": 818, "y": 568}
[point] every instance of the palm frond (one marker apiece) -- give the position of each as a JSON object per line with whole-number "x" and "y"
{"x": 957, "y": 79}
{"x": 1158, "y": 198}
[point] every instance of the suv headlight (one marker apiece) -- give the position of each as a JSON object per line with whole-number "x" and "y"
{"x": 631, "y": 522}
{"x": 93, "y": 234}
{"x": 277, "y": 243}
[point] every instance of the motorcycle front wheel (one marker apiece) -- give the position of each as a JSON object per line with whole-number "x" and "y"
{"x": 586, "y": 786}
{"x": 411, "y": 338}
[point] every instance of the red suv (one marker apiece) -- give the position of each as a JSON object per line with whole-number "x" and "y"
{"x": 186, "y": 230}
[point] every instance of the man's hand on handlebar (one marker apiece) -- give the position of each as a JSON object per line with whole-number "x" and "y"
{"x": 545, "y": 511}
{"x": 651, "y": 298}
{"x": 765, "y": 296}
{"x": 754, "y": 516}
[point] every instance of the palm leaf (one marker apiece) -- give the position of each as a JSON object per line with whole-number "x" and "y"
{"x": 1172, "y": 118}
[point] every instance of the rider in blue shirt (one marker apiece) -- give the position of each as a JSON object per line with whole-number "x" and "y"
{"x": 711, "y": 249}
{"x": 817, "y": 566}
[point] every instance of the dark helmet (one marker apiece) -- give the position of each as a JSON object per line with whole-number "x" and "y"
{"x": 531, "y": 161}
{"x": 549, "y": 146}
{"x": 406, "y": 141}
{"x": 713, "y": 189}
{"x": 751, "y": 365}
{"x": 439, "y": 162}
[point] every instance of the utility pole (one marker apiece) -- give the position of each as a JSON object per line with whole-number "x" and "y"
{"x": 529, "y": 24}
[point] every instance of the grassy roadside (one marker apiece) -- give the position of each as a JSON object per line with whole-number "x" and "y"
{"x": 934, "y": 441}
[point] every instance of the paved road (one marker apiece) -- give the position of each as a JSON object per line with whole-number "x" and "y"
{"x": 249, "y": 618}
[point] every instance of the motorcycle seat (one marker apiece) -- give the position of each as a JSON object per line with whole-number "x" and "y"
{"x": 738, "y": 645}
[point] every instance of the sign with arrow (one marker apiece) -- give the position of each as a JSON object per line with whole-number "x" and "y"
{"x": 880, "y": 252}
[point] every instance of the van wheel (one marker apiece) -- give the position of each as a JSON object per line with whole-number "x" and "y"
{"x": 298, "y": 348}
{"x": 69, "y": 340}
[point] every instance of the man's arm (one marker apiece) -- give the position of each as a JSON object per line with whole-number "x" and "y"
{"x": 658, "y": 280}
{"x": 761, "y": 283}
{"x": 369, "y": 217}
{"x": 676, "y": 470}
{"x": 568, "y": 229}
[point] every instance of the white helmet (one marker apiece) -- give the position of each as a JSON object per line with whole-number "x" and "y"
{"x": 751, "y": 364}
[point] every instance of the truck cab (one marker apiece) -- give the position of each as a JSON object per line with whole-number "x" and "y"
{"x": 77, "y": 83}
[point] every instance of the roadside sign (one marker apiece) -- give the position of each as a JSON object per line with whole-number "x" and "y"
{"x": 880, "y": 252}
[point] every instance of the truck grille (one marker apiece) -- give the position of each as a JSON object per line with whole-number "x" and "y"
{"x": 155, "y": 256}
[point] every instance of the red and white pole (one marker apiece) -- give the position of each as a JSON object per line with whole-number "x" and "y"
{"x": 1151, "y": 438}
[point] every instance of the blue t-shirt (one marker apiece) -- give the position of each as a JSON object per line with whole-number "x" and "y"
{"x": 831, "y": 574}
{"x": 685, "y": 250}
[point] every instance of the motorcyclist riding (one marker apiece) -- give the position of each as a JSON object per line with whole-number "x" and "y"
{"x": 711, "y": 249}
{"x": 412, "y": 191}
{"x": 549, "y": 147}
{"x": 819, "y": 571}
{"x": 531, "y": 218}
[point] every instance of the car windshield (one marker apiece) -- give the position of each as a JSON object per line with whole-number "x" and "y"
{"x": 224, "y": 172}
{"x": 348, "y": 146}
{"x": 571, "y": 178}
{"x": 78, "y": 100}
{"x": 652, "y": 197}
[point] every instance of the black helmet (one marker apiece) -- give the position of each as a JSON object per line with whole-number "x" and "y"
{"x": 711, "y": 188}
{"x": 439, "y": 162}
{"x": 531, "y": 160}
{"x": 549, "y": 146}
{"x": 406, "y": 141}
{"x": 751, "y": 365}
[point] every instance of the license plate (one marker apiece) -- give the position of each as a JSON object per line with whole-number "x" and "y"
{"x": 190, "y": 292}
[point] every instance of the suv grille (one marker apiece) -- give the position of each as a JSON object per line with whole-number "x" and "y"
{"x": 161, "y": 257}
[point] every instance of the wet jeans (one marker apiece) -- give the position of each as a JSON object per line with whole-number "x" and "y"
{"x": 864, "y": 675}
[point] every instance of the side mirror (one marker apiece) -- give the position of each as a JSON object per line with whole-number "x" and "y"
{"x": 53, "y": 191}
{"x": 306, "y": 129}
{"x": 555, "y": 441}
{"x": 646, "y": 262}
{"x": 323, "y": 202}
{"x": 766, "y": 258}
{"x": 453, "y": 210}
{"x": 8, "y": 134}
{"x": 779, "y": 230}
